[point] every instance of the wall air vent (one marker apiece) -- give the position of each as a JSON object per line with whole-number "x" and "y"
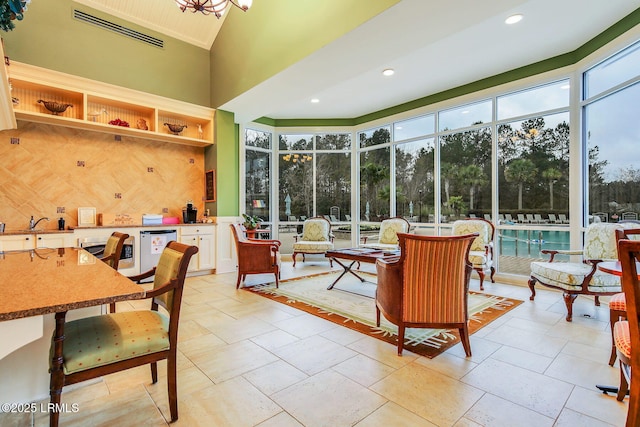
{"x": 117, "y": 28}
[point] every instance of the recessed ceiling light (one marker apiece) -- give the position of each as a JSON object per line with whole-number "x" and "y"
{"x": 465, "y": 112}
{"x": 388, "y": 72}
{"x": 513, "y": 19}
{"x": 314, "y": 100}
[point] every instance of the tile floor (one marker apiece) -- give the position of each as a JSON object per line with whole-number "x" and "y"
{"x": 247, "y": 361}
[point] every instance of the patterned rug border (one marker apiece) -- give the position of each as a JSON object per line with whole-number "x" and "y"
{"x": 440, "y": 343}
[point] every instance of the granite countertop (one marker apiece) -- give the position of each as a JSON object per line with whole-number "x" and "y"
{"x": 43, "y": 281}
{"x": 197, "y": 224}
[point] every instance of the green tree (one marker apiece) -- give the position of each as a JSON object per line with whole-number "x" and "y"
{"x": 522, "y": 171}
{"x": 474, "y": 177}
{"x": 551, "y": 175}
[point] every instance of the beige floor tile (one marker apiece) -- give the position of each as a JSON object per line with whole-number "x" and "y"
{"x": 314, "y": 354}
{"x": 533, "y": 342}
{"x": 274, "y": 377}
{"x": 230, "y": 361}
{"x": 382, "y": 352}
{"x": 129, "y": 407}
{"x": 231, "y": 331}
{"x": 520, "y": 386}
{"x": 465, "y": 422}
{"x": 597, "y": 337}
{"x": 569, "y": 418}
{"x": 363, "y": 370}
{"x": 305, "y": 325}
{"x": 435, "y": 397}
{"x": 189, "y": 329}
{"x": 233, "y": 403}
{"x": 582, "y": 372}
{"x": 447, "y": 364}
{"x": 496, "y": 412}
{"x": 593, "y": 403}
{"x": 190, "y": 381}
{"x": 198, "y": 345}
{"x": 523, "y": 359}
{"x": 274, "y": 339}
{"x": 391, "y": 414}
{"x": 17, "y": 419}
{"x": 343, "y": 336}
{"x": 481, "y": 348}
{"x": 281, "y": 420}
{"x": 589, "y": 352}
{"x": 328, "y": 399}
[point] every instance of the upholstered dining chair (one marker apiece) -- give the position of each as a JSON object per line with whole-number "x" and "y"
{"x": 618, "y": 303}
{"x": 388, "y": 235}
{"x": 481, "y": 253}
{"x": 100, "y": 345}
{"x": 581, "y": 278}
{"x": 316, "y": 238}
{"x": 426, "y": 286}
{"x": 112, "y": 253}
{"x": 626, "y": 333}
{"x": 255, "y": 256}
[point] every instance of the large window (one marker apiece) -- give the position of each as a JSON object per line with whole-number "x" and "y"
{"x": 258, "y": 174}
{"x": 375, "y": 174}
{"x": 612, "y": 137}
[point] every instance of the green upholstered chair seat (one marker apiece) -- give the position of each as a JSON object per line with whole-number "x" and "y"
{"x": 101, "y": 340}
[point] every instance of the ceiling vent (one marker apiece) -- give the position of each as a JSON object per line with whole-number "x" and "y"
{"x": 117, "y": 28}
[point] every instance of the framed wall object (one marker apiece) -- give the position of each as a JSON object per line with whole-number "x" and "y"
{"x": 210, "y": 186}
{"x": 86, "y": 217}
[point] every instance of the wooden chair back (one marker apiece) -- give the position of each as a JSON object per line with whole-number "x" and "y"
{"x": 113, "y": 249}
{"x": 629, "y": 253}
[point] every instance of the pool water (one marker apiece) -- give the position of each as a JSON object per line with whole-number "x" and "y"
{"x": 529, "y": 243}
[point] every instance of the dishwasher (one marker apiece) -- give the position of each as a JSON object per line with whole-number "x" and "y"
{"x": 152, "y": 243}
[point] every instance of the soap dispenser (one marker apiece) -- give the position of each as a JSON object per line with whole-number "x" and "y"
{"x": 61, "y": 224}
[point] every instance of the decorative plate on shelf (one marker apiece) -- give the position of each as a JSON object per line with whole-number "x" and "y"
{"x": 175, "y": 128}
{"x": 55, "y": 107}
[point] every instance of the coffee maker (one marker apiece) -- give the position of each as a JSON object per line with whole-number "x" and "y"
{"x": 189, "y": 213}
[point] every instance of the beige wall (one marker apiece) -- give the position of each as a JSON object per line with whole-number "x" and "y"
{"x": 41, "y": 174}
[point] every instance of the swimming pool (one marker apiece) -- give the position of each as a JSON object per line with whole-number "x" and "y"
{"x": 528, "y": 243}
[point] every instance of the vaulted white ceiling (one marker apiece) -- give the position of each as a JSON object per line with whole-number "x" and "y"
{"x": 432, "y": 45}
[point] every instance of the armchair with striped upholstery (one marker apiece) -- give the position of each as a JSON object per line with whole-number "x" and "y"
{"x": 426, "y": 286}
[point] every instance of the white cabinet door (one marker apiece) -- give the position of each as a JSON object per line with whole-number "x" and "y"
{"x": 204, "y": 238}
{"x": 54, "y": 241}
{"x": 17, "y": 242}
{"x": 206, "y": 252}
{"x": 191, "y": 240}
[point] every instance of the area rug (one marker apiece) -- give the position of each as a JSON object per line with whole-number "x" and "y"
{"x": 351, "y": 304}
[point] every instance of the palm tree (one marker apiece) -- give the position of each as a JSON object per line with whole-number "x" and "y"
{"x": 521, "y": 171}
{"x": 551, "y": 175}
{"x": 448, "y": 172}
{"x": 473, "y": 176}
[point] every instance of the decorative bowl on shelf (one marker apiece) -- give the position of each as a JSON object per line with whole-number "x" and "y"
{"x": 175, "y": 128}
{"x": 55, "y": 107}
{"x": 118, "y": 122}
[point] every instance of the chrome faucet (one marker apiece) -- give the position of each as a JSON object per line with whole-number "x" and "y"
{"x": 32, "y": 223}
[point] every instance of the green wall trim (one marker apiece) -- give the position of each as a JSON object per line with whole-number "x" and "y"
{"x": 566, "y": 59}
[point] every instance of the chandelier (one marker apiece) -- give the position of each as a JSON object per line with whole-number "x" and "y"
{"x": 217, "y": 7}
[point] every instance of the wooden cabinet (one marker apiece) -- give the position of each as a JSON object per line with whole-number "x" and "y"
{"x": 106, "y": 108}
{"x": 204, "y": 238}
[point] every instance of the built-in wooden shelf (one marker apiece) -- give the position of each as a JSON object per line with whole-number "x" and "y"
{"x": 95, "y": 104}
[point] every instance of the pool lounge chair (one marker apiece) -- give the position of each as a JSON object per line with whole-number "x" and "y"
{"x": 562, "y": 218}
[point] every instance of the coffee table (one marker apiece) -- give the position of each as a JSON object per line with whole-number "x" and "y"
{"x": 357, "y": 255}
